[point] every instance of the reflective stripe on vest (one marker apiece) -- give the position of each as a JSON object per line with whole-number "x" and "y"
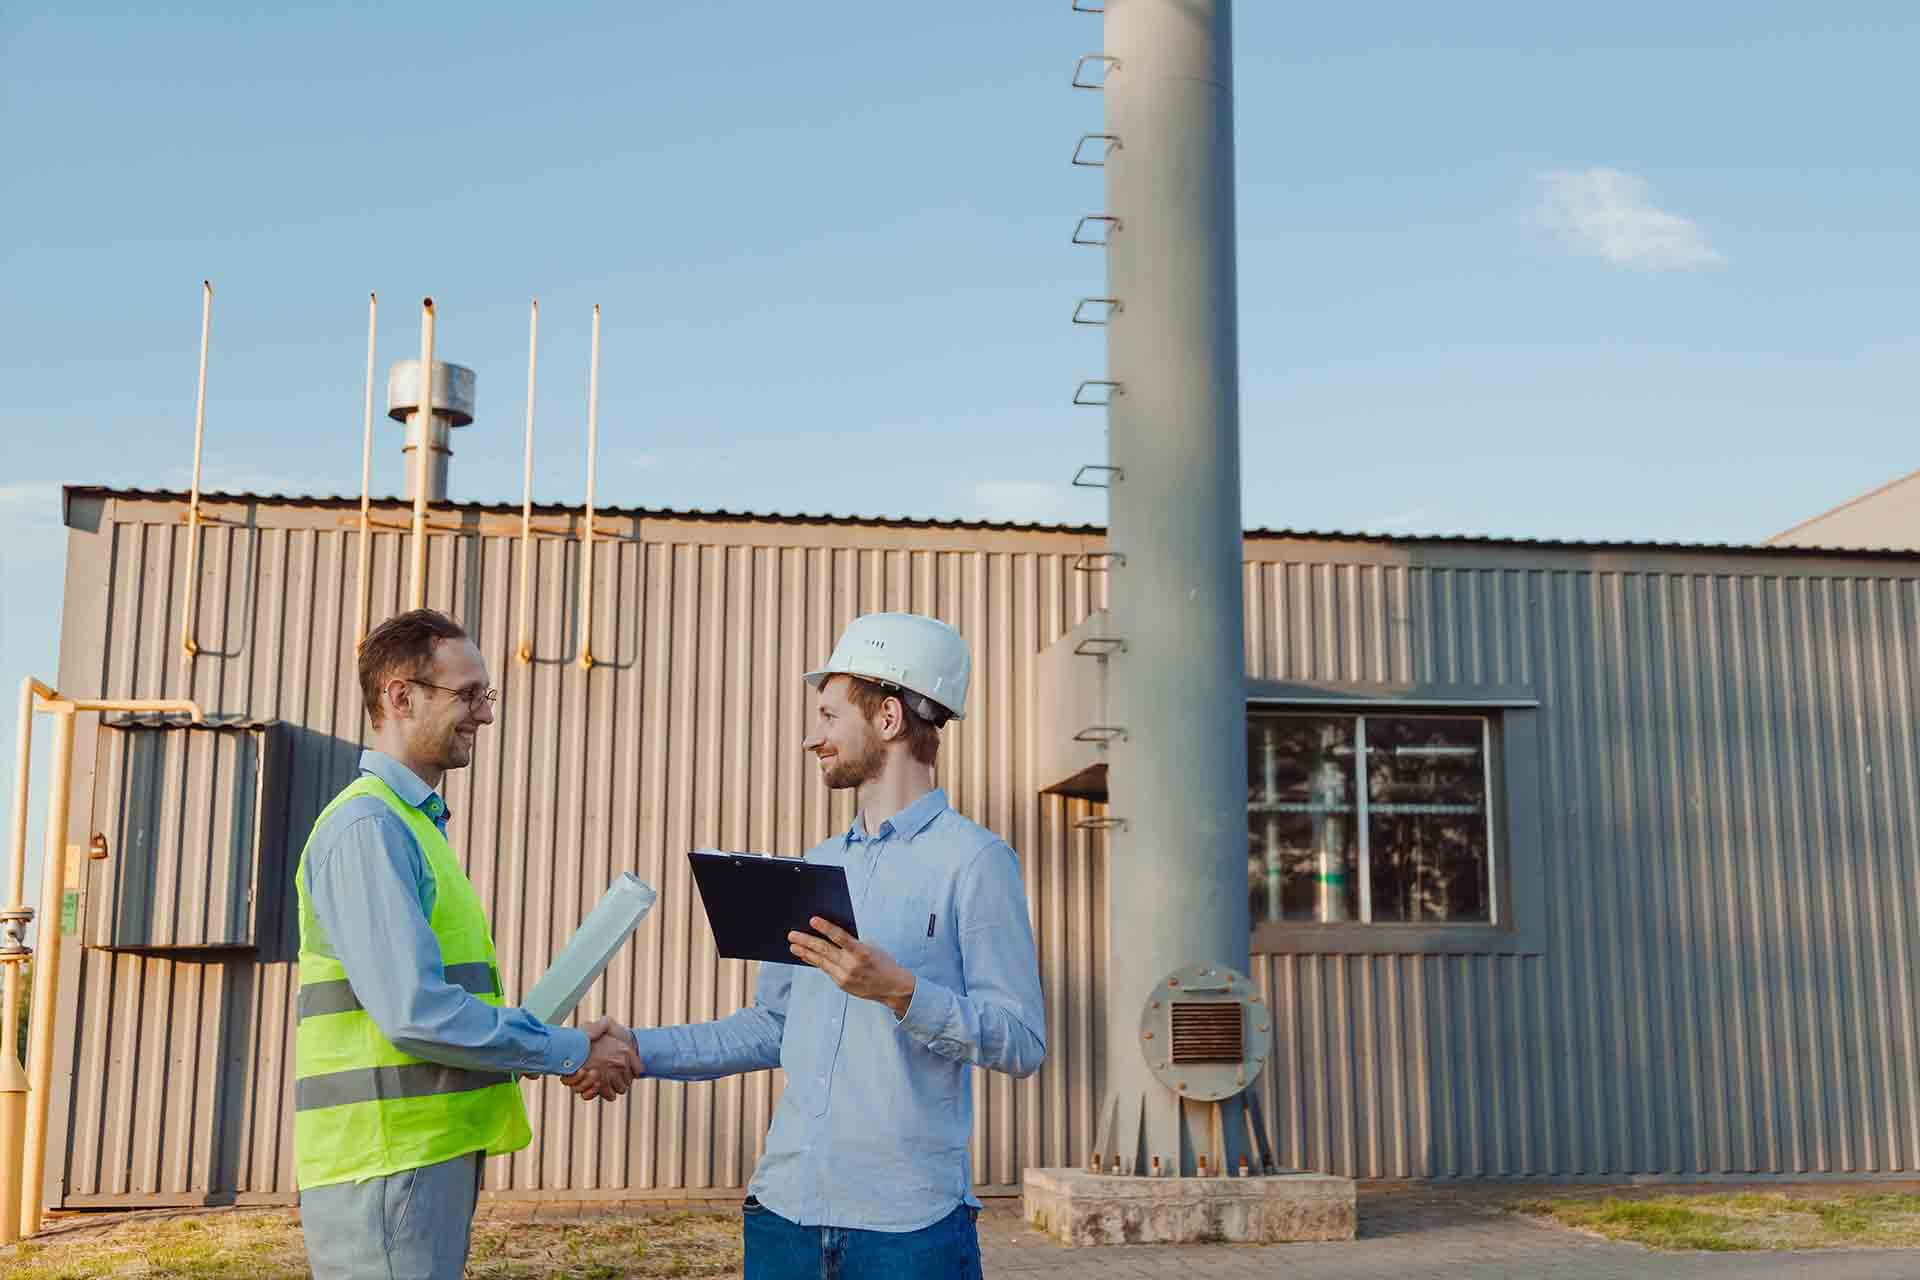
{"x": 319, "y": 998}
{"x": 373, "y": 1084}
{"x": 364, "y": 1108}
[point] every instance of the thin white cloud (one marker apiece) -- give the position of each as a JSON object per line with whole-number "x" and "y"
{"x": 1611, "y": 213}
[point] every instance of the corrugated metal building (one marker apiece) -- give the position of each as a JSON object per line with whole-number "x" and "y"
{"x": 1678, "y": 937}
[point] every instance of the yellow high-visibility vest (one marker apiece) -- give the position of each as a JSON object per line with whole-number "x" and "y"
{"x": 362, "y": 1108}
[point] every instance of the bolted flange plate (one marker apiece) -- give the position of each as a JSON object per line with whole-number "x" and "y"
{"x": 1205, "y": 1032}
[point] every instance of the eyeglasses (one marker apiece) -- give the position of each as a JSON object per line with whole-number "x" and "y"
{"x": 474, "y": 697}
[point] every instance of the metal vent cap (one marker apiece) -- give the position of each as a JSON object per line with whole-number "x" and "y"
{"x": 1205, "y": 1032}
{"x": 452, "y": 391}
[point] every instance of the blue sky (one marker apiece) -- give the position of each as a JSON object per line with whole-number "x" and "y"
{"x": 1622, "y": 271}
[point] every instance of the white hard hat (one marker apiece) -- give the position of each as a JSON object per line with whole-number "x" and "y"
{"x": 919, "y": 655}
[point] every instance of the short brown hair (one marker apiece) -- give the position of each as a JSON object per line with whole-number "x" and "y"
{"x": 923, "y": 736}
{"x": 401, "y": 646}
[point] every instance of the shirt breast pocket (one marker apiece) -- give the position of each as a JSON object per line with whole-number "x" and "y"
{"x": 911, "y": 930}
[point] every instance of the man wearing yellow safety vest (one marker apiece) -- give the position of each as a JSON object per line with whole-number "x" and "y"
{"x": 868, "y": 1173}
{"x": 405, "y": 1049}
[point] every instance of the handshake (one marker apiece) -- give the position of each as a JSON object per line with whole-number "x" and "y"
{"x": 611, "y": 1065}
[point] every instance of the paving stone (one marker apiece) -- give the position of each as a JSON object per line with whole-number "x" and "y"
{"x": 1081, "y": 1208}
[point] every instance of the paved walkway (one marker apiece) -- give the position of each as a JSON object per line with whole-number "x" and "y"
{"x": 1421, "y": 1234}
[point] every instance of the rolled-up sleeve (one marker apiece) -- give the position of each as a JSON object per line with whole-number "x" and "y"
{"x": 362, "y": 884}
{"x": 999, "y": 1023}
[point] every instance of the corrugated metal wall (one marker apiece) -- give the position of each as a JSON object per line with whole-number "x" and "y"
{"x": 1728, "y": 828}
{"x": 184, "y": 872}
{"x": 685, "y": 735}
{"x": 1728, "y": 795}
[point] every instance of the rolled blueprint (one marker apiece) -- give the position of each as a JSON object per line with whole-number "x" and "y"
{"x": 604, "y": 931}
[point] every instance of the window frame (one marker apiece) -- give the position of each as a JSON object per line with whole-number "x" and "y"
{"x": 1513, "y": 825}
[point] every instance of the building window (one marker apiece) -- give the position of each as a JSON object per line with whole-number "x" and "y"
{"x": 1369, "y": 819}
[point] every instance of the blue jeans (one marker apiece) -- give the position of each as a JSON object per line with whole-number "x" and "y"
{"x": 781, "y": 1250}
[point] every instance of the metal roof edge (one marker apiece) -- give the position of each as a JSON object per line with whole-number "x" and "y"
{"x": 557, "y": 508}
{"x": 1764, "y": 549}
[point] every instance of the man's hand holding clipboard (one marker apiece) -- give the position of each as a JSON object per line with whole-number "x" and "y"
{"x": 788, "y": 911}
{"x": 857, "y": 968}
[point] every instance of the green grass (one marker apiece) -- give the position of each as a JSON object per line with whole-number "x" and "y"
{"x": 268, "y": 1246}
{"x": 214, "y": 1248}
{"x": 1740, "y": 1221}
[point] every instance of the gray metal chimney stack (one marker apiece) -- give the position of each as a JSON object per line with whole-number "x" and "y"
{"x": 452, "y": 407}
{"x": 1177, "y": 868}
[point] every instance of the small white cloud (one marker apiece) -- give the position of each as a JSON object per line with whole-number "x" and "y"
{"x": 1611, "y": 213}
{"x": 1032, "y": 501}
{"x": 635, "y": 459}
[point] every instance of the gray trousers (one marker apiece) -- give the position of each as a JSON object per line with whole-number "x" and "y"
{"x": 412, "y": 1225}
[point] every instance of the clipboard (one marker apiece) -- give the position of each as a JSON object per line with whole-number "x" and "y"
{"x": 753, "y": 901}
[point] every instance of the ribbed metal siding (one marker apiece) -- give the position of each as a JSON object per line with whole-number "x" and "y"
{"x": 1729, "y": 857}
{"x": 686, "y": 734}
{"x": 1728, "y": 827}
{"x": 183, "y": 823}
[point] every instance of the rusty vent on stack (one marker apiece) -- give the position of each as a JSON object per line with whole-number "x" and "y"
{"x": 1208, "y": 1031}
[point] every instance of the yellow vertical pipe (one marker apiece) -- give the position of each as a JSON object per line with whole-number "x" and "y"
{"x": 366, "y": 477}
{"x": 525, "y": 651}
{"x": 13, "y": 1124}
{"x": 10, "y": 1042}
{"x": 46, "y": 974}
{"x": 593, "y": 453}
{"x": 17, "y": 874}
{"x": 188, "y": 647}
{"x": 422, "y": 446}
{"x": 10, "y": 1039}
{"x": 13, "y": 1080}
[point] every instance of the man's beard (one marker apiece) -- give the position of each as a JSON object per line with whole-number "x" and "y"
{"x": 851, "y": 771}
{"x": 456, "y": 752}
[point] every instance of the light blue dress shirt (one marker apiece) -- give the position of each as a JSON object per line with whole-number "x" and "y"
{"x": 872, "y": 1130}
{"x": 373, "y": 894}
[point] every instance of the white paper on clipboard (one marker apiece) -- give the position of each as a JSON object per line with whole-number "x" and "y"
{"x": 587, "y": 954}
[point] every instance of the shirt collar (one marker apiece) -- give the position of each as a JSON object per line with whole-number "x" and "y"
{"x": 405, "y": 783}
{"x": 909, "y": 822}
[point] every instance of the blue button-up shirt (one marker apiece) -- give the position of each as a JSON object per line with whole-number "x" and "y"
{"x": 872, "y": 1130}
{"x": 373, "y": 894}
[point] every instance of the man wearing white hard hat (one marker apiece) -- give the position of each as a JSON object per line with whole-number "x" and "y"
{"x": 867, "y": 1171}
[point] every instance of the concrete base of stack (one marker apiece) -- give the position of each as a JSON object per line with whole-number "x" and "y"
{"x": 1080, "y": 1208}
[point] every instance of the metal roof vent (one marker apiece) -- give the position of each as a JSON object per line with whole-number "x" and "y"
{"x": 452, "y": 407}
